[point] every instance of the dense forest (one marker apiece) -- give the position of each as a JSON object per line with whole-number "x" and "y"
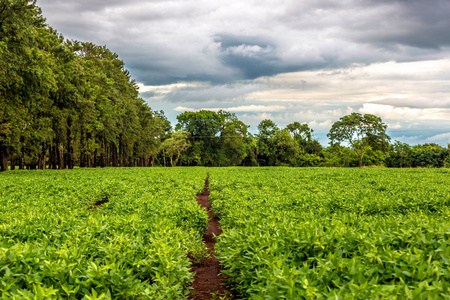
{"x": 69, "y": 103}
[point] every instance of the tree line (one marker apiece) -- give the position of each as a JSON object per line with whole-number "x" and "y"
{"x": 67, "y": 103}
{"x": 356, "y": 140}
{"x": 70, "y": 103}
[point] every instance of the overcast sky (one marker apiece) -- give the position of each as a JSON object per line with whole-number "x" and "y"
{"x": 306, "y": 61}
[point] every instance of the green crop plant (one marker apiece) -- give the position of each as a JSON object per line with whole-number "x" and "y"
{"x": 56, "y": 242}
{"x": 289, "y": 233}
{"x": 293, "y": 233}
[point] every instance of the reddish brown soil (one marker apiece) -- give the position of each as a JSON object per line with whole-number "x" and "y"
{"x": 208, "y": 278}
{"x": 99, "y": 202}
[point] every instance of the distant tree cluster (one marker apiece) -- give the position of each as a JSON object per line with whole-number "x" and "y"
{"x": 221, "y": 139}
{"x": 402, "y": 155}
{"x": 69, "y": 103}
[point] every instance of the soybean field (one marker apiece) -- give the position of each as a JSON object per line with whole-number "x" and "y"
{"x": 288, "y": 233}
{"x": 292, "y": 233}
{"x": 99, "y": 234}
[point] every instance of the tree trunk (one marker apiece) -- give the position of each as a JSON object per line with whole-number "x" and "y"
{"x": 13, "y": 163}
{"x": 42, "y": 158}
{"x": 178, "y": 158}
{"x": 114, "y": 160}
{"x": 95, "y": 158}
{"x": 61, "y": 157}
{"x": 103, "y": 156}
{"x": 69, "y": 156}
{"x": 22, "y": 161}
{"x": 81, "y": 161}
{"x": 121, "y": 161}
{"x": 54, "y": 154}
{"x": 44, "y": 165}
{"x": 69, "y": 159}
{"x": 4, "y": 164}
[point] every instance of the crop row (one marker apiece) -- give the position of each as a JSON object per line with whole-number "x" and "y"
{"x": 55, "y": 242}
{"x": 341, "y": 233}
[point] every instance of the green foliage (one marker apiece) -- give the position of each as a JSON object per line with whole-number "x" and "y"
{"x": 361, "y": 132}
{"x": 218, "y": 139}
{"x": 203, "y": 123}
{"x": 427, "y": 155}
{"x": 292, "y": 146}
{"x": 334, "y": 233}
{"x": 286, "y": 149}
{"x": 67, "y": 103}
{"x": 56, "y": 243}
{"x": 447, "y": 161}
{"x": 399, "y": 155}
{"x": 176, "y": 144}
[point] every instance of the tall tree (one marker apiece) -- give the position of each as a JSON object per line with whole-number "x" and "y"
{"x": 286, "y": 149}
{"x": 27, "y": 77}
{"x": 358, "y": 131}
{"x": 399, "y": 155}
{"x": 300, "y": 131}
{"x": 235, "y": 141}
{"x": 203, "y": 123}
{"x": 266, "y": 145}
{"x": 4, "y": 131}
{"x": 204, "y": 127}
{"x": 175, "y": 145}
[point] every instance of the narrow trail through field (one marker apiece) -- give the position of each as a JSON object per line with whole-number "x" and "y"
{"x": 208, "y": 278}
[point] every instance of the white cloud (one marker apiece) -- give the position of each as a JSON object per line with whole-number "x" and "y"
{"x": 414, "y": 139}
{"x": 243, "y": 108}
{"x": 183, "y": 109}
{"x": 256, "y": 108}
{"x": 257, "y": 117}
{"x": 412, "y": 84}
{"x": 249, "y": 50}
{"x": 406, "y": 113}
{"x": 165, "y": 89}
{"x": 322, "y": 125}
{"x": 441, "y": 138}
{"x": 395, "y": 126}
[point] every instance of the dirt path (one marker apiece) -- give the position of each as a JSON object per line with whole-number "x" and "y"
{"x": 208, "y": 278}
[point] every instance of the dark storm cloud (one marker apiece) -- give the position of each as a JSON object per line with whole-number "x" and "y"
{"x": 165, "y": 42}
{"x": 415, "y": 23}
{"x": 252, "y": 57}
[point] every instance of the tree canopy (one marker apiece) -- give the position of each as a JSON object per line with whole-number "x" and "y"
{"x": 359, "y": 131}
{"x": 67, "y": 102}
